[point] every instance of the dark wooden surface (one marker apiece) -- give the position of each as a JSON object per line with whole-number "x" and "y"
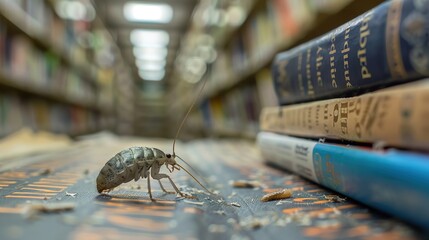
{"x": 127, "y": 212}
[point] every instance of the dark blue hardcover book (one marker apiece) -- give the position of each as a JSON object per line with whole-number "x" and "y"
{"x": 393, "y": 181}
{"x": 385, "y": 46}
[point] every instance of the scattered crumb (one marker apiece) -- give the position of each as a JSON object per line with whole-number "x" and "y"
{"x": 192, "y": 202}
{"x": 282, "y": 202}
{"x": 231, "y": 221}
{"x": 300, "y": 219}
{"x": 217, "y": 228}
{"x": 47, "y": 171}
{"x": 73, "y": 195}
{"x": 334, "y": 198}
{"x": 86, "y": 172}
{"x": 220, "y": 212}
{"x": 245, "y": 184}
{"x": 282, "y": 194}
{"x": 30, "y": 210}
{"x": 255, "y": 223}
{"x": 139, "y": 187}
{"x": 235, "y": 204}
{"x": 232, "y": 194}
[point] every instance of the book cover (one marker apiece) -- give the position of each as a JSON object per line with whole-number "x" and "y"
{"x": 384, "y": 46}
{"x": 392, "y": 181}
{"x": 396, "y": 116}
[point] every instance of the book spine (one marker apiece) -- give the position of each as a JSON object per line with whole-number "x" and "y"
{"x": 396, "y": 116}
{"x": 394, "y": 182}
{"x": 384, "y": 46}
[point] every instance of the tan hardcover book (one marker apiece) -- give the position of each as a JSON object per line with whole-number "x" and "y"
{"x": 396, "y": 116}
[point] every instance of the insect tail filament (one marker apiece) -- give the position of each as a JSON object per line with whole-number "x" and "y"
{"x": 184, "y": 169}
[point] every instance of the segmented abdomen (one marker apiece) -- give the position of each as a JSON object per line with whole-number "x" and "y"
{"x": 125, "y": 165}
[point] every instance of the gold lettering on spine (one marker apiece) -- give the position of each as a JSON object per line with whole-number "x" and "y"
{"x": 393, "y": 47}
{"x": 310, "y": 88}
{"x": 363, "y": 40}
{"x": 326, "y": 118}
{"x": 319, "y": 60}
{"x": 333, "y": 72}
{"x": 300, "y": 81}
{"x": 283, "y": 78}
{"x": 345, "y": 52}
{"x": 344, "y": 117}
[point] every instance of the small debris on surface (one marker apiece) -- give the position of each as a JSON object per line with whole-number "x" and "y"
{"x": 245, "y": 184}
{"x": 192, "y": 202}
{"x": 282, "y": 194}
{"x": 73, "y": 195}
{"x": 300, "y": 219}
{"x": 282, "y": 202}
{"x": 217, "y": 228}
{"x": 235, "y": 204}
{"x": 86, "y": 172}
{"x": 46, "y": 171}
{"x": 220, "y": 212}
{"x": 30, "y": 210}
{"x": 232, "y": 194}
{"x": 334, "y": 198}
{"x": 255, "y": 223}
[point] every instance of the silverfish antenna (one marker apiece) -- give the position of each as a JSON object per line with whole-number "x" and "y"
{"x": 187, "y": 113}
{"x": 194, "y": 170}
{"x": 196, "y": 180}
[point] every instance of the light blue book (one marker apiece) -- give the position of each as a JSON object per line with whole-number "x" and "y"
{"x": 395, "y": 182}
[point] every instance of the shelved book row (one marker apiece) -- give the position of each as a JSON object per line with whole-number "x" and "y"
{"x": 271, "y": 27}
{"x": 17, "y": 112}
{"x": 40, "y": 20}
{"x": 235, "y": 113}
{"x": 353, "y": 111}
{"x": 24, "y": 63}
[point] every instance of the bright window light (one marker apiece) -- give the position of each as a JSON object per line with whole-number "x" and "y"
{"x": 152, "y": 75}
{"x": 148, "y": 12}
{"x": 143, "y": 37}
{"x": 150, "y": 52}
{"x": 150, "y": 65}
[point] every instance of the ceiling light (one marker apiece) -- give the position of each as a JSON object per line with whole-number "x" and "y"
{"x": 143, "y": 37}
{"x": 75, "y": 10}
{"x": 152, "y": 75}
{"x": 148, "y": 12}
{"x": 150, "y": 65}
{"x": 153, "y": 53}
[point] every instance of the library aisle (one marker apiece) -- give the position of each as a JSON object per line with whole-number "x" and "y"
{"x": 234, "y": 172}
{"x": 318, "y": 106}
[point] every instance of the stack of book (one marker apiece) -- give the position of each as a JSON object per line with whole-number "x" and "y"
{"x": 353, "y": 113}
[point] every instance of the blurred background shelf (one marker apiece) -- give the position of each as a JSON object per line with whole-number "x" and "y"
{"x": 247, "y": 53}
{"x": 90, "y": 61}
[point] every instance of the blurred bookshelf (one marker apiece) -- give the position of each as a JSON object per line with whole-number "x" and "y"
{"x": 239, "y": 81}
{"x": 50, "y": 79}
{"x": 67, "y": 64}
